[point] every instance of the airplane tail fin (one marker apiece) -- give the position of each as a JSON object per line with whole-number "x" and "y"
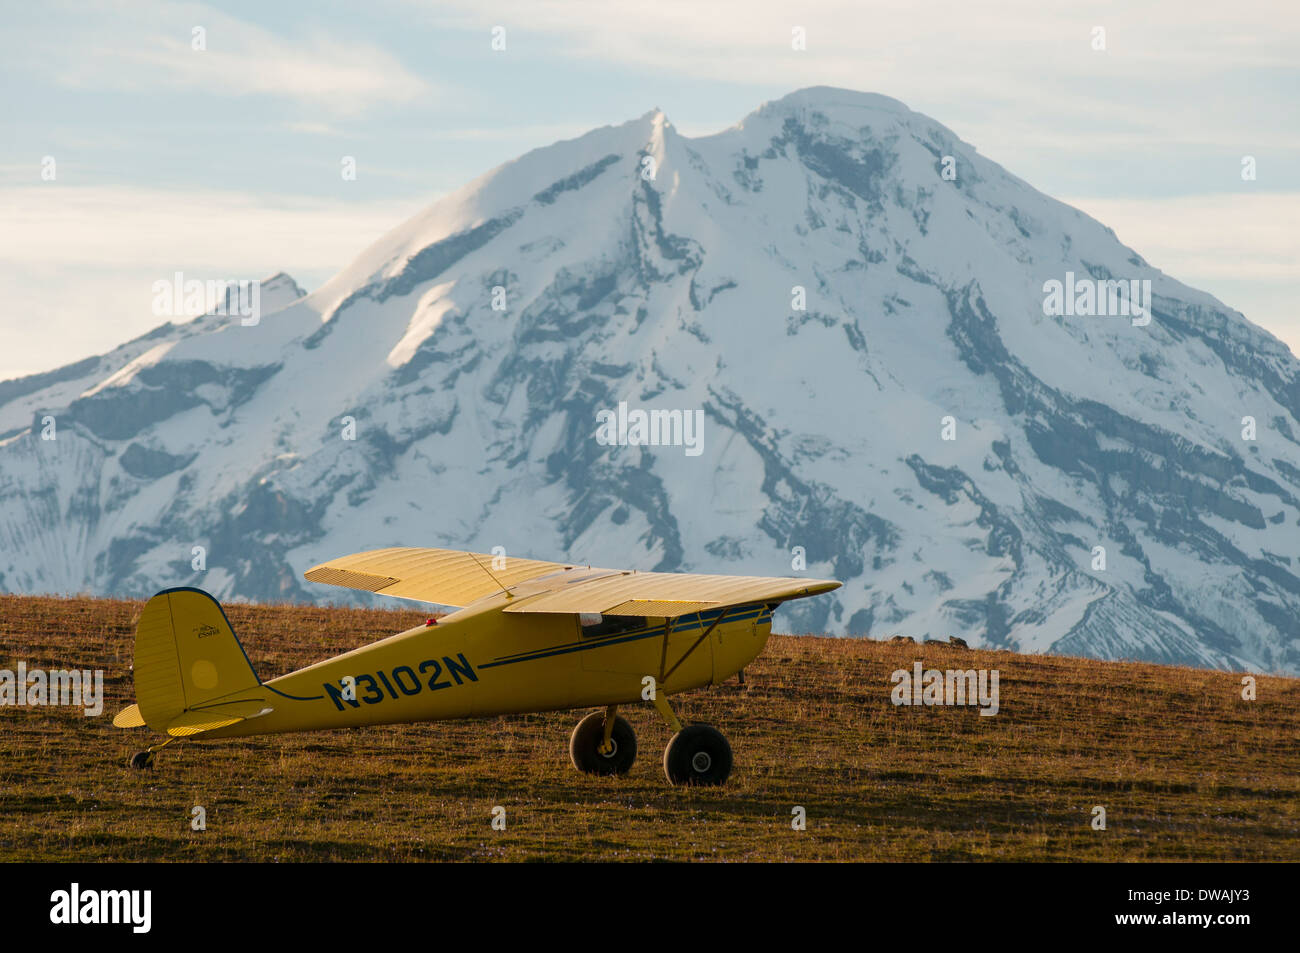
{"x": 186, "y": 658}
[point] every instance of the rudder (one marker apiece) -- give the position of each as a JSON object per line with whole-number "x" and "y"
{"x": 186, "y": 655}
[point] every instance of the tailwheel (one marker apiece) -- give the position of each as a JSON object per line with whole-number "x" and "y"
{"x": 144, "y": 759}
{"x": 592, "y": 754}
{"x": 698, "y": 754}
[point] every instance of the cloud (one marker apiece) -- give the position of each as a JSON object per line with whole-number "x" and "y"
{"x": 1241, "y": 235}
{"x": 148, "y": 46}
{"x": 1242, "y": 247}
{"x": 1170, "y": 71}
{"x": 127, "y": 226}
{"x": 77, "y": 264}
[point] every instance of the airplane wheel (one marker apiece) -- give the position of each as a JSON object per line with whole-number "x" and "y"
{"x": 584, "y": 745}
{"x": 698, "y": 754}
{"x": 141, "y": 760}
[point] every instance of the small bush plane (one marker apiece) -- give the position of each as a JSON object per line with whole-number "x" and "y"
{"x": 530, "y": 636}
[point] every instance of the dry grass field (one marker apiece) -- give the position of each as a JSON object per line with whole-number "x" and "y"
{"x": 1184, "y": 767}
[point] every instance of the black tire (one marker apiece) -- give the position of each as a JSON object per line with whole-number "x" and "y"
{"x": 141, "y": 760}
{"x": 698, "y": 754}
{"x": 585, "y": 742}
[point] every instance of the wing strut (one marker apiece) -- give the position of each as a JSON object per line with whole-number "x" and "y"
{"x": 713, "y": 625}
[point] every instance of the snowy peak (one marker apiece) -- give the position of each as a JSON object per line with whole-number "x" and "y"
{"x": 279, "y": 291}
{"x": 852, "y": 300}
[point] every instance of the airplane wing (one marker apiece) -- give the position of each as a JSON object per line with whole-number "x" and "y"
{"x": 450, "y": 577}
{"x": 447, "y": 577}
{"x": 668, "y": 594}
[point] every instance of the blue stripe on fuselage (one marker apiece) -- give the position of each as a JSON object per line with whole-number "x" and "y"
{"x": 696, "y": 621}
{"x": 700, "y": 620}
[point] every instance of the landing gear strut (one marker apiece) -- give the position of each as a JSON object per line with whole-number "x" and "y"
{"x": 604, "y": 743}
{"x": 696, "y": 754}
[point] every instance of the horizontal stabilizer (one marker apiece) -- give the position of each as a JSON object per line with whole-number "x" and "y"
{"x": 217, "y": 716}
{"x": 129, "y": 717}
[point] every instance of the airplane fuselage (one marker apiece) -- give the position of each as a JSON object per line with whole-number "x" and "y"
{"x": 482, "y": 661}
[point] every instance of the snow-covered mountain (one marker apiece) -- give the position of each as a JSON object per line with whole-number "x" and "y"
{"x": 826, "y": 283}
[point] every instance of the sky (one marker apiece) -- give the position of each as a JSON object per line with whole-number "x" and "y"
{"x": 141, "y": 138}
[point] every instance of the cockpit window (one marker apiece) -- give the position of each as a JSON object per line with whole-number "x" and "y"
{"x": 597, "y": 626}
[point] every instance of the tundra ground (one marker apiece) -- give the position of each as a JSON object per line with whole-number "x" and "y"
{"x": 1185, "y": 768}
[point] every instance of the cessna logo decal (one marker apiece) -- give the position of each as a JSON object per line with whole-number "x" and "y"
{"x": 203, "y": 631}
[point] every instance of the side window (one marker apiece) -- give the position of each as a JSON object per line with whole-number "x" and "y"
{"x": 597, "y": 626}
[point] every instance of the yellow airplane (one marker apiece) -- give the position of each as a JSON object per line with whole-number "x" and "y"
{"x": 531, "y": 636}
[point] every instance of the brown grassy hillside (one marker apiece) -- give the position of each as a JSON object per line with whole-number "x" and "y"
{"x": 1184, "y": 767}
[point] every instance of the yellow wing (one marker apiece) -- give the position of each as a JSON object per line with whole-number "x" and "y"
{"x": 668, "y": 594}
{"x": 450, "y": 577}
{"x": 447, "y": 577}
